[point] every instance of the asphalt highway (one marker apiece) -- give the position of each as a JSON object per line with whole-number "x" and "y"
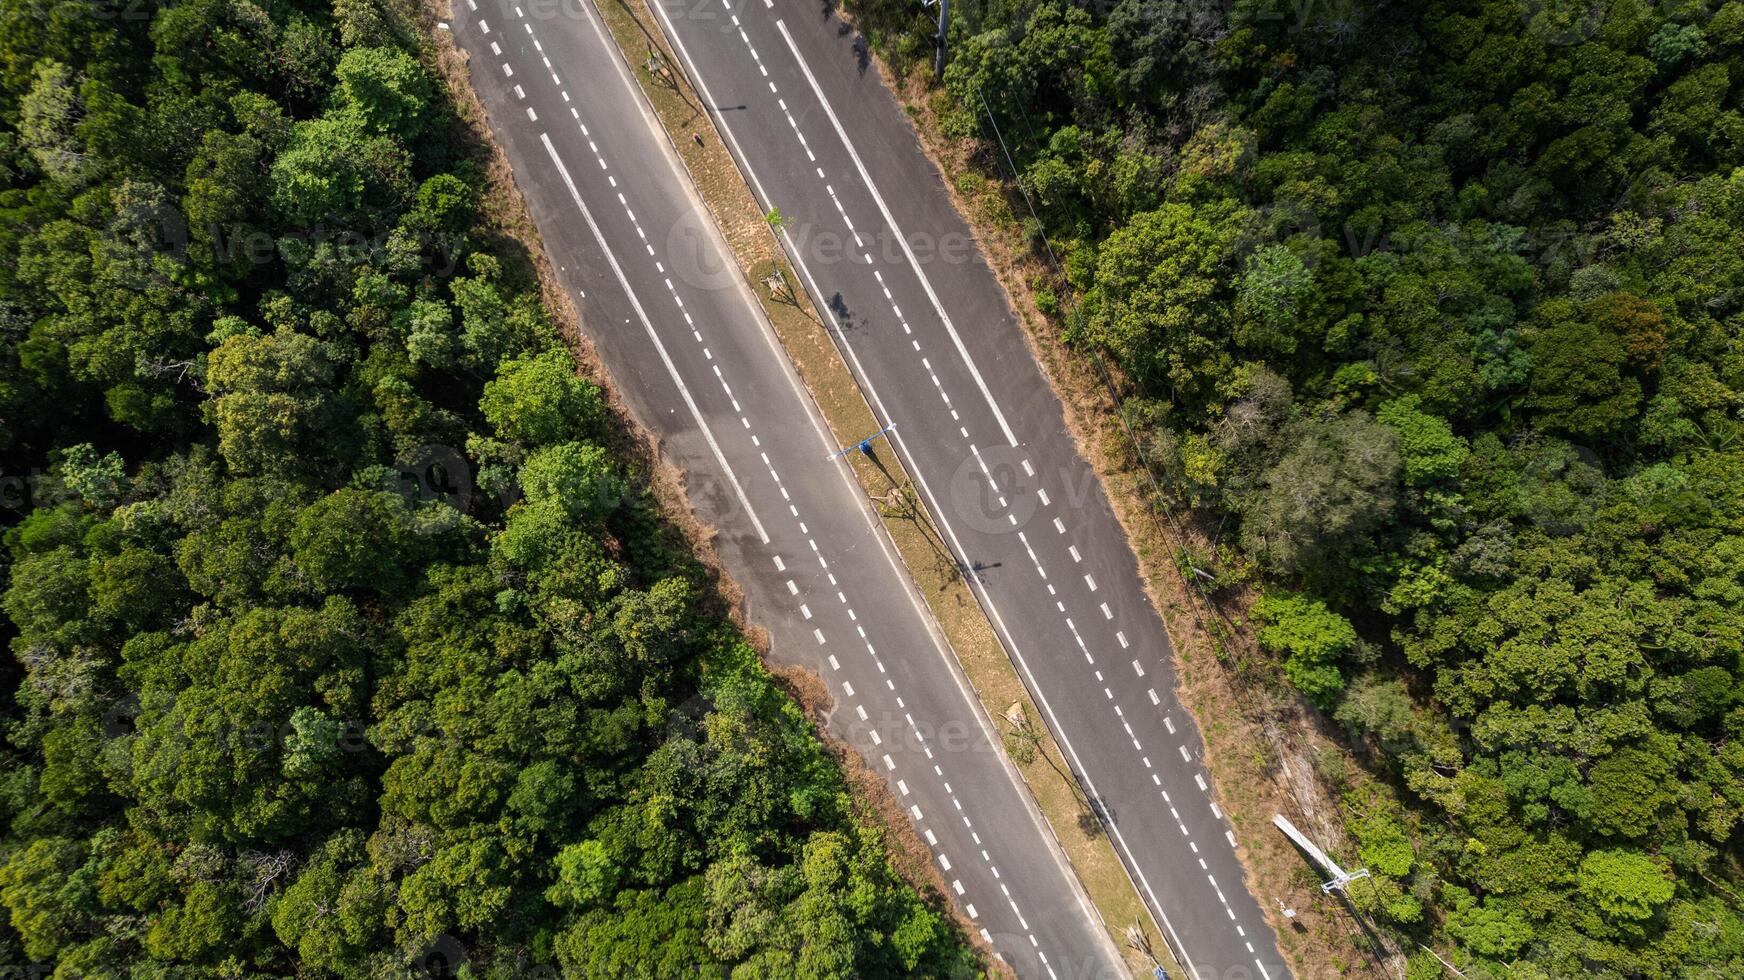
{"x": 928, "y": 332}
{"x": 690, "y": 351}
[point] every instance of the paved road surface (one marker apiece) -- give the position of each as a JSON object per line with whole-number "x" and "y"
{"x": 931, "y": 338}
{"x": 691, "y": 353}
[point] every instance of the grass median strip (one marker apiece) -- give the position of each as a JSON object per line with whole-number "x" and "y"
{"x": 751, "y": 233}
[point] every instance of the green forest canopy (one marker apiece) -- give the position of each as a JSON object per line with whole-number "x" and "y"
{"x": 1441, "y": 305}
{"x": 343, "y": 643}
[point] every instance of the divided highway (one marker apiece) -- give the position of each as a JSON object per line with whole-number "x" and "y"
{"x": 671, "y": 317}
{"x": 928, "y": 333}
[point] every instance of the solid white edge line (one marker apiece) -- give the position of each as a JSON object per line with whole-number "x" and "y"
{"x": 665, "y": 358}
{"x": 1099, "y": 928}
{"x": 890, "y": 220}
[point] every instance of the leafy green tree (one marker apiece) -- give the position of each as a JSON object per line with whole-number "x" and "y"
{"x": 579, "y": 477}
{"x": 1312, "y": 637}
{"x": 586, "y": 876}
{"x": 1489, "y": 931}
{"x": 49, "y": 116}
{"x": 44, "y": 896}
{"x": 430, "y": 335}
{"x": 1271, "y": 300}
{"x": 1631, "y": 793}
{"x": 97, "y": 480}
{"x": 1158, "y": 301}
{"x": 1624, "y": 884}
{"x": 1430, "y": 451}
{"x": 332, "y": 917}
{"x": 270, "y": 398}
{"x": 387, "y": 90}
{"x": 1578, "y": 385}
{"x": 539, "y": 399}
{"x": 1319, "y": 504}
{"x": 333, "y": 169}
{"x": 354, "y": 539}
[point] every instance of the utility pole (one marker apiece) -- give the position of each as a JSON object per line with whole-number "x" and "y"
{"x": 1339, "y": 877}
{"x": 939, "y": 38}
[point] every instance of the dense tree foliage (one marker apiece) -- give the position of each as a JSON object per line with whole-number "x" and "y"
{"x": 1439, "y": 307}
{"x": 343, "y": 643}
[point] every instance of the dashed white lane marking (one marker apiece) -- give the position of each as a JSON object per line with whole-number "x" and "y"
{"x": 902, "y": 239}
{"x": 819, "y": 634}
{"x": 509, "y": 72}
{"x": 1138, "y": 667}
{"x": 659, "y": 346}
{"x": 1184, "y": 754}
{"x": 1169, "y": 723}
{"x": 1199, "y": 781}
{"x": 1153, "y": 694}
